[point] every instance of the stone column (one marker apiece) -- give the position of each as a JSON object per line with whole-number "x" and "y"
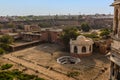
{"x": 91, "y": 48}
{"x": 79, "y": 49}
{"x": 72, "y": 48}
{"x": 87, "y": 49}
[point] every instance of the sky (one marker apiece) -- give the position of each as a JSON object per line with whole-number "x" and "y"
{"x": 52, "y": 7}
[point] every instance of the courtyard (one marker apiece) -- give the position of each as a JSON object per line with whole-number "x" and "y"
{"x": 94, "y": 67}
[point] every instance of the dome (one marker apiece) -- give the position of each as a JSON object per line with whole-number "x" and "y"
{"x": 81, "y": 38}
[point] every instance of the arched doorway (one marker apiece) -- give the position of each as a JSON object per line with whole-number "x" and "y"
{"x": 75, "y": 49}
{"x": 90, "y": 48}
{"x": 83, "y": 49}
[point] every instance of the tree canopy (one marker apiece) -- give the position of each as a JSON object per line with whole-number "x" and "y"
{"x": 69, "y": 33}
{"x": 44, "y": 25}
{"x": 105, "y": 32}
{"x": 6, "y": 39}
{"x": 85, "y": 27}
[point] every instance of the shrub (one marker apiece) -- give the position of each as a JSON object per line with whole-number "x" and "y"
{"x": 6, "y": 66}
{"x": 85, "y": 27}
{"x": 91, "y": 35}
{"x": 6, "y": 39}
{"x": 2, "y": 51}
{"x": 72, "y": 74}
{"x": 17, "y": 75}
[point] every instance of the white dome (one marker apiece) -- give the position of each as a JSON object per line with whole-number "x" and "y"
{"x": 82, "y": 40}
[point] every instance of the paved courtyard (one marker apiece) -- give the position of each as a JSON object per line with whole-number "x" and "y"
{"x": 94, "y": 67}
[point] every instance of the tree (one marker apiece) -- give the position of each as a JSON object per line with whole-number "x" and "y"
{"x": 2, "y": 51}
{"x": 85, "y": 27}
{"x": 10, "y": 25}
{"x": 6, "y": 39}
{"x": 44, "y": 25}
{"x": 105, "y": 32}
{"x": 69, "y": 33}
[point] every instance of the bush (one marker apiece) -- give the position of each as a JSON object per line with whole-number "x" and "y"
{"x": 85, "y": 27}
{"x": 6, "y": 66}
{"x": 6, "y": 39}
{"x": 67, "y": 34}
{"x": 39, "y": 79}
{"x": 17, "y": 75}
{"x": 2, "y": 51}
{"x": 91, "y": 35}
{"x": 72, "y": 74}
{"x": 105, "y": 32}
{"x": 5, "y": 46}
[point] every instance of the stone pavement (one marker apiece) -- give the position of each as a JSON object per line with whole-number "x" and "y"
{"x": 51, "y": 74}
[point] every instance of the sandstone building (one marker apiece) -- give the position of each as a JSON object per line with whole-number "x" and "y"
{"x": 115, "y": 46}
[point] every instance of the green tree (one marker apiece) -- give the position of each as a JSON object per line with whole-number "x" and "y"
{"x": 44, "y": 25}
{"x": 69, "y": 33}
{"x": 2, "y": 51}
{"x": 6, "y": 39}
{"x": 85, "y": 27}
{"x": 10, "y": 25}
{"x": 105, "y": 32}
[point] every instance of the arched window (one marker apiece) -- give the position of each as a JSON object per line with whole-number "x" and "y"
{"x": 75, "y": 49}
{"x": 83, "y": 49}
{"x": 90, "y": 48}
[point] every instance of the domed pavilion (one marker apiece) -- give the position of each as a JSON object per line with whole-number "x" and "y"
{"x": 82, "y": 46}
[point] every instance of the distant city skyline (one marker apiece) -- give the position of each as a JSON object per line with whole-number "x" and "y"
{"x": 52, "y": 7}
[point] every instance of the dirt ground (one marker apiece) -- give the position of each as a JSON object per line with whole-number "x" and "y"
{"x": 94, "y": 67}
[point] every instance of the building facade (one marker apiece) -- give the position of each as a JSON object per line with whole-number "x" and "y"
{"x": 51, "y": 35}
{"x": 115, "y": 46}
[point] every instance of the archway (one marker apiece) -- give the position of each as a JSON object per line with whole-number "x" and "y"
{"x": 75, "y": 49}
{"x": 90, "y": 48}
{"x": 83, "y": 49}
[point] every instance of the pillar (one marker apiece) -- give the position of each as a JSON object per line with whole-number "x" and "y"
{"x": 79, "y": 49}
{"x": 91, "y": 48}
{"x": 72, "y": 48}
{"x": 87, "y": 49}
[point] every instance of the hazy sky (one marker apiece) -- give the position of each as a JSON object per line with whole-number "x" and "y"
{"x": 45, "y": 7}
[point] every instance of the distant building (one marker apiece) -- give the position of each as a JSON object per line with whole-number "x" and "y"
{"x": 44, "y": 35}
{"x": 50, "y": 35}
{"x": 30, "y": 36}
{"x": 5, "y": 31}
{"x": 31, "y": 28}
{"x": 115, "y": 46}
{"x": 82, "y": 46}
